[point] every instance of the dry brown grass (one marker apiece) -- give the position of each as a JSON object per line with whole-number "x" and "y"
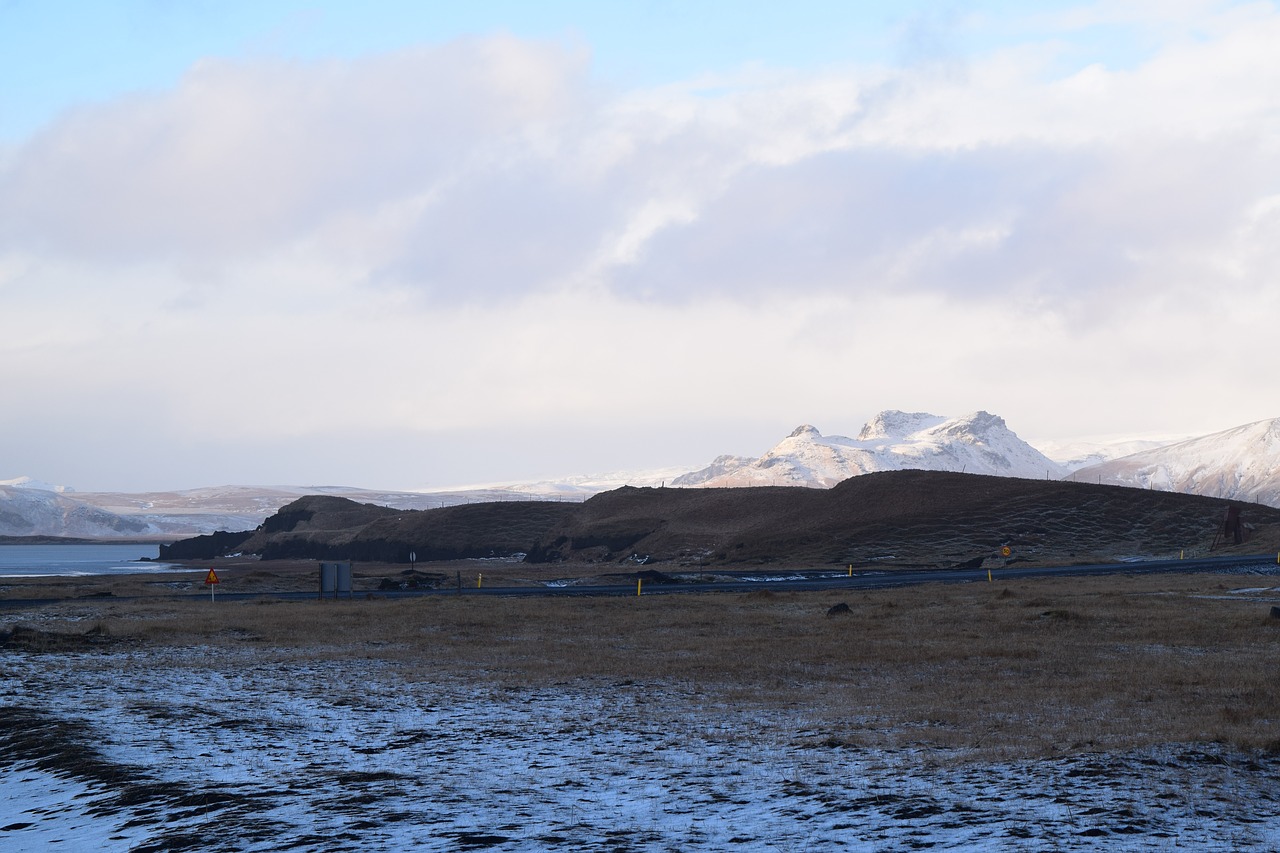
{"x": 247, "y": 575}
{"x": 1023, "y": 668}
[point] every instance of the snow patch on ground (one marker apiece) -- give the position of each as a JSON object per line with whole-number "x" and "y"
{"x": 217, "y": 749}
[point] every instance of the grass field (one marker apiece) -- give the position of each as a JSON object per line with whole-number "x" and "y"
{"x": 1026, "y": 668}
{"x": 1110, "y": 713}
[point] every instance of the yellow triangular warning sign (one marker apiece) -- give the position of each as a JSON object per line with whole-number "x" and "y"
{"x": 212, "y": 577}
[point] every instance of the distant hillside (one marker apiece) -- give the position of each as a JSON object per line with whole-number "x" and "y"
{"x": 27, "y": 511}
{"x": 1239, "y": 464}
{"x": 979, "y": 443}
{"x": 32, "y": 508}
{"x": 891, "y": 518}
{"x": 325, "y": 527}
{"x": 887, "y": 519}
{"x": 1074, "y": 455}
{"x": 1242, "y": 464}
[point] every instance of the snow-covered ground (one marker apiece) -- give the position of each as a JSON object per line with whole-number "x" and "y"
{"x": 219, "y": 749}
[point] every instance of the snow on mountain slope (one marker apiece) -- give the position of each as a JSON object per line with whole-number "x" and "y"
{"x": 1077, "y": 454}
{"x": 25, "y": 482}
{"x": 29, "y": 511}
{"x": 979, "y": 443}
{"x": 40, "y": 512}
{"x": 573, "y": 487}
{"x": 1242, "y": 463}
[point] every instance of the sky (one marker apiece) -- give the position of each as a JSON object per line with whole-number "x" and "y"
{"x": 417, "y": 245}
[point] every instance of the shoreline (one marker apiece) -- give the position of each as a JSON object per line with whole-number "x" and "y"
{"x": 104, "y": 540}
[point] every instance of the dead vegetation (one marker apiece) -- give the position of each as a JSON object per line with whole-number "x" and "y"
{"x": 1002, "y": 669}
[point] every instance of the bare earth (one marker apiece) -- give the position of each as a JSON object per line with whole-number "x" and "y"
{"x": 1127, "y": 712}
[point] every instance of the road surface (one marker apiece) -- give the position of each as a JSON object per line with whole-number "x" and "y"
{"x": 742, "y": 580}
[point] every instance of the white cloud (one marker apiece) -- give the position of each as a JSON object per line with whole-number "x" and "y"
{"x": 243, "y": 156}
{"x": 451, "y": 239}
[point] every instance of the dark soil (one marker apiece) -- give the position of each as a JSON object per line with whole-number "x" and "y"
{"x": 23, "y": 638}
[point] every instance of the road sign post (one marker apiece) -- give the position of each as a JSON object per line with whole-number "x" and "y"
{"x": 211, "y": 581}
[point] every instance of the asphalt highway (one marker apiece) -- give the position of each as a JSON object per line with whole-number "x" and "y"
{"x": 740, "y": 580}
{"x": 833, "y": 579}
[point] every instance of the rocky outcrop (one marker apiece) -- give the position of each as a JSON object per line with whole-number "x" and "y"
{"x": 205, "y": 547}
{"x": 322, "y": 527}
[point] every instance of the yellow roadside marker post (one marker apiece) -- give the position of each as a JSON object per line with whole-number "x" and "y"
{"x": 479, "y": 580}
{"x": 639, "y": 582}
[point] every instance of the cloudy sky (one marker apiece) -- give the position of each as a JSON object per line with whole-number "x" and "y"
{"x": 409, "y": 245}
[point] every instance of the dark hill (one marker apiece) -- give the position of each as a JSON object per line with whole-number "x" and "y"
{"x": 902, "y": 518}
{"x": 316, "y": 513}
{"x": 496, "y": 529}
{"x": 324, "y": 527}
{"x": 894, "y": 518}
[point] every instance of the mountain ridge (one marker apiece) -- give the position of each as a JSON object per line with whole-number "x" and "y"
{"x": 1240, "y": 463}
{"x": 886, "y": 520}
{"x": 976, "y": 443}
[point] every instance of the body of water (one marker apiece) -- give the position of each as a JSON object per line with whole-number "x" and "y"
{"x": 89, "y": 559}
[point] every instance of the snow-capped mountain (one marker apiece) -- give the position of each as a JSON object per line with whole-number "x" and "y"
{"x": 979, "y": 443}
{"x": 42, "y": 512}
{"x": 1078, "y": 454}
{"x": 25, "y": 482}
{"x": 719, "y": 466}
{"x": 30, "y": 511}
{"x": 578, "y": 486}
{"x": 1242, "y": 463}
{"x": 30, "y": 507}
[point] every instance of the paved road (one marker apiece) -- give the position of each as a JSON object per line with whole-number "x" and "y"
{"x": 789, "y": 579}
{"x": 824, "y": 579}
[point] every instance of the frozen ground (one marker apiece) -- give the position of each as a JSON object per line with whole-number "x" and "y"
{"x": 221, "y": 750}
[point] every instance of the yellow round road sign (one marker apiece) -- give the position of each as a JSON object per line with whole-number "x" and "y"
{"x": 1006, "y": 551}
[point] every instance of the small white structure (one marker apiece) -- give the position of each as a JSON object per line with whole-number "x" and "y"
{"x": 335, "y": 578}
